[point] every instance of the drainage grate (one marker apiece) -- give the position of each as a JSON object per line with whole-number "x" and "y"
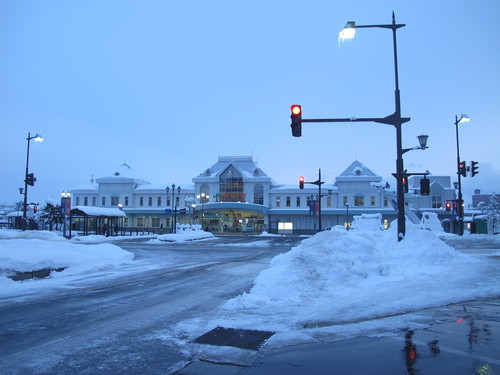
{"x": 239, "y": 338}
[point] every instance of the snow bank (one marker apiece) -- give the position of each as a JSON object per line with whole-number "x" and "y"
{"x": 342, "y": 276}
{"x": 35, "y": 250}
{"x": 185, "y": 233}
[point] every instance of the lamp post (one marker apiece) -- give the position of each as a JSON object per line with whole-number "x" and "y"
{"x": 201, "y": 198}
{"x": 174, "y": 206}
{"x": 65, "y": 206}
{"x": 347, "y": 216}
{"x": 463, "y": 118}
{"x": 29, "y": 179}
{"x": 395, "y": 119}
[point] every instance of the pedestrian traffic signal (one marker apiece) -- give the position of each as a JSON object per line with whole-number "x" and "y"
{"x": 448, "y": 206}
{"x": 404, "y": 183}
{"x": 473, "y": 168}
{"x": 30, "y": 179}
{"x": 35, "y": 209}
{"x": 462, "y": 169}
{"x": 301, "y": 182}
{"x": 425, "y": 186}
{"x": 296, "y": 117}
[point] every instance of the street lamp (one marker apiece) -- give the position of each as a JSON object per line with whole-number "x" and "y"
{"x": 463, "y": 118}
{"x": 174, "y": 206}
{"x": 29, "y": 179}
{"x": 395, "y": 119}
{"x": 347, "y": 216}
{"x": 201, "y": 198}
{"x": 65, "y": 207}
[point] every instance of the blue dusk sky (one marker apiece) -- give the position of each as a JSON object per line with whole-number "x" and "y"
{"x": 168, "y": 86}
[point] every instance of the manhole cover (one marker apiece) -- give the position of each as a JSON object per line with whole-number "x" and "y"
{"x": 239, "y": 338}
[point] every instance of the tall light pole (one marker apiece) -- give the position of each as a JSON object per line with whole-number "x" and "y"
{"x": 395, "y": 119}
{"x": 65, "y": 207}
{"x": 29, "y": 179}
{"x": 460, "y": 203}
{"x": 201, "y": 197}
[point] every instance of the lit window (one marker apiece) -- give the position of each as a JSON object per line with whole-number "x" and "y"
{"x": 359, "y": 201}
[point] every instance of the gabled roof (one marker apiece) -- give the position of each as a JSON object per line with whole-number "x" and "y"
{"x": 243, "y": 164}
{"x": 358, "y": 172}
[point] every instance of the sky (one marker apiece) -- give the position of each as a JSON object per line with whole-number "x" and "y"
{"x": 167, "y": 87}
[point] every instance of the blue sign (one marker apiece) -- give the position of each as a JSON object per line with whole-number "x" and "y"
{"x": 168, "y": 210}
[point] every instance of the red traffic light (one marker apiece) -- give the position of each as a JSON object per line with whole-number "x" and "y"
{"x": 296, "y": 117}
{"x": 448, "y": 206}
{"x": 301, "y": 182}
{"x": 296, "y": 109}
{"x": 35, "y": 209}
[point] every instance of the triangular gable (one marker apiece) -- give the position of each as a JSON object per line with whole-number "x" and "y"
{"x": 357, "y": 169}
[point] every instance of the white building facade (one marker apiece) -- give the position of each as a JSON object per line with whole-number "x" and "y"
{"x": 235, "y": 196}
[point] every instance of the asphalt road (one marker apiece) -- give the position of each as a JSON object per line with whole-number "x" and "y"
{"x": 112, "y": 323}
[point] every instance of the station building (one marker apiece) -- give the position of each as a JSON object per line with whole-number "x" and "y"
{"x": 235, "y": 196}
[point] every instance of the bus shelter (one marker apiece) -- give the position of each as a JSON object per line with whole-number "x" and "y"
{"x": 96, "y": 220}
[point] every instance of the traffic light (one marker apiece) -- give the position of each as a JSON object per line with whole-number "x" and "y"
{"x": 473, "y": 168}
{"x": 448, "y": 206}
{"x": 30, "y": 179}
{"x": 425, "y": 186}
{"x": 301, "y": 182}
{"x": 404, "y": 183}
{"x": 462, "y": 169}
{"x": 35, "y": 209}
{"x": 296, "y": 117}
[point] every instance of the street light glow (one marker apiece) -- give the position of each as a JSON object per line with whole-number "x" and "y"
{"x": 38, "y": 138}
{"x": 348, "y": 31}
{"x": 464, "y": 118}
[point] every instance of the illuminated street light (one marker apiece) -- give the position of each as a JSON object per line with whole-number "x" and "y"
{"x": 28, "y": 176}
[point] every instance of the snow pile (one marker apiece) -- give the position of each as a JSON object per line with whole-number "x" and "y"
{"x": 186, "y": 233}
{"x": 35, "y": 250}
{"x": 342, "y": 276}
{"x": 430, "y": 221}
{"x": 367, "y": 222}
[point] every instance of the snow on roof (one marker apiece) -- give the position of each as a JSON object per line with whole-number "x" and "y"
{"x": 100, "y": 211}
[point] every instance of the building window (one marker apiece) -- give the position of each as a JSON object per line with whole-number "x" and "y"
{"x": 86, "y": 201}
{"x": 231, "y": 186}
{"x": 258, "y": 194}
{"x": 159, "y": 202}
{"x": 155, "y": 222}
{"x": 77, "y": 203}
{"x": 115, "y": 201}
{"x": 386, "y": 202}
{"x": 288, "y": 202}
{"x": 168, "y": 202}
{"x": 141, "y": 201}
{"x": 103, "y": 201}
{"x": 298, "y": 201}
{"x": 94, "y": 201}
{"x": 328, "y": 201}
{"x": 140, "y": 222}
{"x": 436, "y": 201}
{"x": 278, "y": 202}
{"x": 150, "y": 201}
{"x": 204, "y": 193}
{"x": 345, "y": 201}
{"x": 359, "y": 201}
{"x": 126, "y": 201}
{"x": 372, "y": 201}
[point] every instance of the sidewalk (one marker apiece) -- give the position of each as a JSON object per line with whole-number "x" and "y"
{"x": 464, "y": 339}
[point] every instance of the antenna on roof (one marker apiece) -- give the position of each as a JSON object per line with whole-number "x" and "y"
{"x": 92, "y": 180}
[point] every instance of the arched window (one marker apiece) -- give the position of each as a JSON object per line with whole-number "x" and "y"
{"x": 258, "y": 194}
{"x": 231, "y": 186}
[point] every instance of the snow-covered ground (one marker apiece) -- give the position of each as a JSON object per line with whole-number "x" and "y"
{"x": 342, "y": 282}
{"x": 35, "y": 250}
{"x": 333, "y": 279}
